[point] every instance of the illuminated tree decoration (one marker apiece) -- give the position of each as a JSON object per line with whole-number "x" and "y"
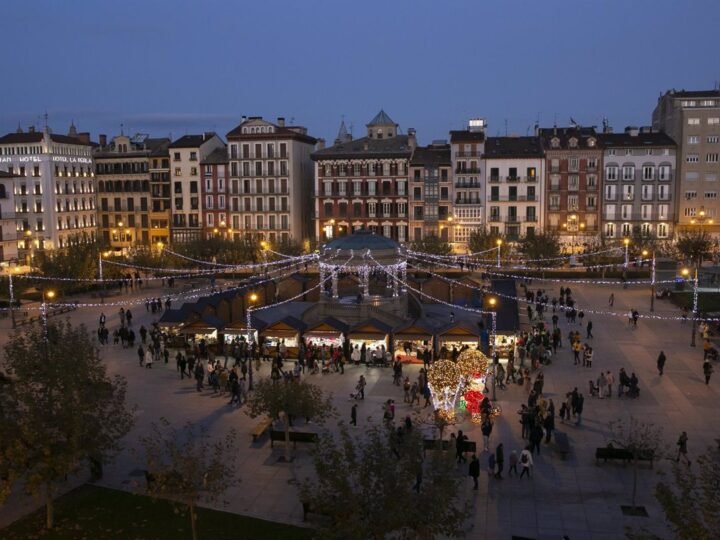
{"x": 472, "y": 363}
{"x": 445, "y": 382}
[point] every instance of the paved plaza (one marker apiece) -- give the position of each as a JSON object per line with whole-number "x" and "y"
{"x": 573, "y": 497}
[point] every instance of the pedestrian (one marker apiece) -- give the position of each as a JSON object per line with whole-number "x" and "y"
{"x": 474, "y": 471}
{"x": 491, "y": 464}
{"x": 486, "y": 429}
{"x": 353, "y": 415}
{"x": 141, "y": 355}
{"x": 610, "y": 379}
{"x": 611, "y": 300}
{"x": 661, "y": 362}
{"x": 513, "y": 463}
{"x": 589, "y": 330}
{"x": 499, "y": 460}
{"x": 549, "y": 425}
{"x": 579, "y": 408}
{"x": 526, "y": 461}
{"x": 682, "y": 448}
{"x": 536, "y": 436}
{"x": 707, "y": 370}
{"x": 460, "y": 447}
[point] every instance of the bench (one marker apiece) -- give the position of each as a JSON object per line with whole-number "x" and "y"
{"x": 261, "y": 428}
{"x": 621, "y": 454}
{"x": 430, "y": 444}
{"x": 295, "y": 437}
{"x": 310, "y": 509}
{"x": 562, "y": 444}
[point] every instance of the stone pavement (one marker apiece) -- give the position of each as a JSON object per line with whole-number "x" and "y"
{"x": 574, "y": 497}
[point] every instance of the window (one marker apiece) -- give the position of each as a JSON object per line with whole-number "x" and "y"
{"x": 628, "y": 193}
{"x": 664, "y": 173}
{"x": 610, "y": 211}
{"x": 611, "y": 173}
{"x": 610, "y": 193}
{"x": 693, "y": 121}
{"x": 591, "y": 181}
{"x": 573, "y": 164}
{"x": 178, "y": 171}
{"x": 690, "y": 212}
{"x": 663, "y": 193}
{"x": 357, "y": 187}
{"x": 692, "y": 158}
{"x": 713, "y": 139}
{"x": 646, "y": 211}
{"x": 372, "y": 209}
{"x": 647, "y": 193}
{"x": 193, "y": 156}
{"x": 626, "y": 229}
{"x": 713, "y": 121}
{"x": 328, "y": 189}
{"x": 711, "y": 158}
{"x": 628, "y": 173}
{"x": 176, "y": 156}
{"x": 401, "y": 188}
{"x": 371, "y": 188}
{"x": 648, "y": 172}
{"x": 573, "y": 182}
{"x": 591, "y": 162}
{"x": 554, "y": 202}
{"x": 610, "y": 230}
{"x": 626, "y": 211}
{"x": 193, "y": 171}
{"x": 342, "y": 188}
{"x": 573, "y": 203}
{"x": 693, "y": 139}
{"x": 591, "y": 202}
{"x": 710, "y": 195}
{"x": 662, "y": 230}
{"x": 554, "y": 165}
{"x": 662, "y": 210}
{"x": 209, "y": 202}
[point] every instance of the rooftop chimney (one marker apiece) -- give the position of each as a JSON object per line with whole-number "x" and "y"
{"x": 84, "y": 136}
{"x": 102, "y": 139}
{"x": 632, "y": 131}
{"x": 31, "y": 129}
{"x": 320, "y": 144}
{"x": 281, "y": 121}
{"x": 412, "y": 140}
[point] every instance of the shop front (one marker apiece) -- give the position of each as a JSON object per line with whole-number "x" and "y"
{"x": 372, "y": 334}
{"x": 504, "y": 343}
{"x": 411, "y": 341}
{"x": 329, "y": 331}
{"x": 207, "y": 329}
{"x": 456, "y": 336}
{"x": 238, "y": 330}
{"x": 285, "y": 331}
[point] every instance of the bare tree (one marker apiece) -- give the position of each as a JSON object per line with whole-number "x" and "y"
{"x": 187, "y": 466}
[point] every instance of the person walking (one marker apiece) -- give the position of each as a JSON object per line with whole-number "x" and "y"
{"x": 460, "y": 447}
{"x": 353, "y": 415}
{"x": 707, "y": 370}
{"x": 486, "y": 430}
{"x": 513, "y": 463}
{"x": 661, "y": 362}
{"x": 499, "y": 461}
{"x": 682, "y": 448}
{"x": 579, "y": 409}
{"x": 589, "y": 330}
{"x": 474, "y": 471}
{"x": 611, "y": 300}
{"x": 610, "y": 379}
{"x": 526, "y": 461}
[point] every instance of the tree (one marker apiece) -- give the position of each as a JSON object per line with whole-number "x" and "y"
{"x": 368, "y": 486}
{"x": 287, "y": 399}
{"x": 638, "y": 438}
{"x": 694, "y": 246}
{"x": 61, "y": 408}
{"x": 540, "y": 246}
{"x": 433, "y": 245}
{"x": 78, "y": 261}
{"x": 691, "y": 505}
{"x": 188, "y": 467}
{"x": 483, "y": 240}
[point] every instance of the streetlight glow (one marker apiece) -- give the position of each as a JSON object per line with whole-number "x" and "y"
{"x": 253, "y": 297}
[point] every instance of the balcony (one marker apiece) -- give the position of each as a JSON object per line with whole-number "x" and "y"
{"x": 471, "y": 154}
{"x": 494, "y": 179}
{"x": 468, "y": 170}
{"x": 494, "y": 218}
{"x": 511, "y": 198}
{"x": 468, "y": 201}
{"x": 513, "y": 178}
{"x": 467, "y": 185}
{"x": 554, "y": 207}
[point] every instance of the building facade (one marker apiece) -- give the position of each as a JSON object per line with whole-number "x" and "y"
{"x": 573, "y": 161}
{"x": 215, "y": 194}
{"x": 125, "y": 194}
{"x": 186, "y": 154}
{"x": 514, "y": 172}
{"x": 54, "y": 187}
{"x": 468, "y": 185}
{"x": 363, "y": 183}
{"x": 8, "y": 221}
{"x": 271, "y": 178}
{"x": 692, "y": 120}
{"x": 638, "y": 184}
{"x": 430, "y": 192}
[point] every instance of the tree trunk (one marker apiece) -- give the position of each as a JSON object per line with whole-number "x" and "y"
{"x": 193, "y": 521}
{"x": 287, "y": 436}
{"x": 49, "y": 508}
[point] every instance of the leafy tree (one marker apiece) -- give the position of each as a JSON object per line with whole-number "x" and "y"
{"x": 287, "y": 247}
{"x": 368, "y": 486}
{"x": 483, "y": 240}
{"x": 639, "y": 438}
{"x": 78, "y": 261}
{"x": 186, "y": 466}
{"x": 61, "y": 408}
{"x": 541, "y": 246}
{"x": 220, "y": 249}
{"x": 285, "y": 400}
{"x": 694, "y": 245}
{"x": 433, "y": 245}
{"x": 691, "y": 503}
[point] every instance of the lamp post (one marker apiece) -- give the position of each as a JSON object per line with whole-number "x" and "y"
{"x": 253, "y": 299}
{"x": 46, "y": 295}
{"x": 686, "y": 273}
{"x": 100, "y": 275}
{"x": 626, "y": 241}
{"x": 499, "y": 245}
{"x": 12, "y": 298}
{"x": 652, "y": 279}
{"x": 493, "y": 314}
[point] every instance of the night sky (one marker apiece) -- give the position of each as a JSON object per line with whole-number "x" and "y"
{"x": 179, "y": 66}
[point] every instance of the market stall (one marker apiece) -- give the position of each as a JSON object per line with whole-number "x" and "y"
{"x": 411, "y": 340}
{"x": 504, "y": 343}
{"x": 208, "y": 328}
{"x": 458, "y": 335}
{"x": 372, "y": 333}
{"x": 329, "y": 331}
{"x": 239, "y": 329}
{"x": 285, "y": 331}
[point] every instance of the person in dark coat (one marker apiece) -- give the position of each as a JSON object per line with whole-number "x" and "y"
{"x": 474, "y": 471}
{"x": 661, "y": 362}
{"x": 499, "y": 460}
{"x": 549, "y": 425}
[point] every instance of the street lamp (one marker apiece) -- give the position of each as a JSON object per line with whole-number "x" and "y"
{"x": 253, "y": 299}
{"x": 493, "y": 303}
{"x": 652, "y": 278}
{"x": 686, "y": 272}
{"x": 46, "y": 295}
{"x": 626, "y": 241}
{"x": 498, "y": 242}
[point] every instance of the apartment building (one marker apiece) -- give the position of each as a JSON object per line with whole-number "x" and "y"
{"x": 514, "y": 170}
{"x": 8, "y": 220}
{"x": 215, "y": 194}
{"x": 692, "y": 120}
{"x": 271, "y": 180}
{"x": 430, "y": 192}
{"x": 468, "y": 185}
{"x": 573, "y": 161}
{"x": 638, "y": 184}
{"x": 124, "y": 192}
{"x": 363, "y": 183}
{"x": 54, "y": 187}
{"x": 186, "y": 154}
{"x": 161, "y": 199}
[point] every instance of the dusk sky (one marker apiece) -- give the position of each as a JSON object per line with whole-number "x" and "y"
{"x": 181, "y": 66}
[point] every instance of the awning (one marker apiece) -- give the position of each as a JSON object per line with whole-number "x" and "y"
{"x": 413, "y": 332}
{"x": 460, "y": 329}
{"x": 205, "y": 325}
{"x": 328, "y": 325}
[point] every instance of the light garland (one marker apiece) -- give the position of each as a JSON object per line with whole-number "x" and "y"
{"x": 251, "y": 266}
{"x": 539, "y": 259}
{"x": 515, "y": 267}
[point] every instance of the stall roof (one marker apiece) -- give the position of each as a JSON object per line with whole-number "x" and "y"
{"x": 328, "y": 324}
{"x": 371, "y": 326}
{"x": 208, "y": 322}
{"x": 415, "y": 328}
{"x": 460, "y": 328}
{"x": 176, "y": 316}
{"x": 287, "y": 323}
{"x": 255, "y": 322}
